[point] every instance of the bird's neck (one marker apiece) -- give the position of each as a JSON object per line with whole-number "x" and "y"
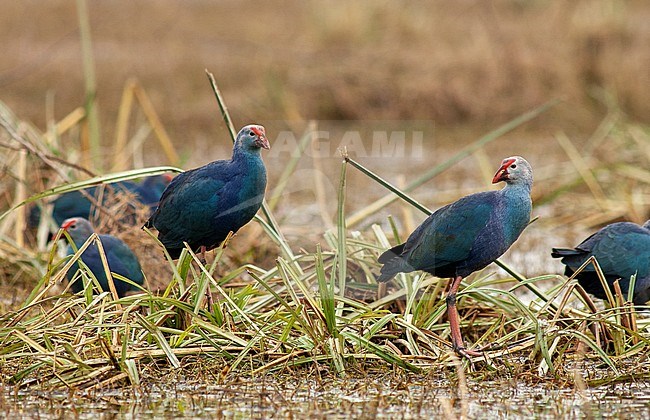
{"x": 520, "y": 188}
{"x": 79, "y": 240}
{"x": 241, "y": 153}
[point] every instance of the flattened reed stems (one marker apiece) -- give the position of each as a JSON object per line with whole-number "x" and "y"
{"x": 309, "y": 307}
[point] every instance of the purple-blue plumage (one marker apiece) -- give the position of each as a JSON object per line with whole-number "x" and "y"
{"x": 467, "y": 235}
{"x": 148, "y": 191}
{"x": 121, "y": 260}
{"x": 203, "y": 205}
{"x": 77, "y": 204}
{"x": 622, "y": 250}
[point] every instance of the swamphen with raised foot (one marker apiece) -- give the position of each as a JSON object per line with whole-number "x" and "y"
{"x": 466, "y": 236}
{"x": 622, "y": 250}
{"x": 121, "y": 260}
{"x": 203, "y": 205}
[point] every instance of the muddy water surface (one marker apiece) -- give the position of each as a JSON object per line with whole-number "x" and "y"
{"x": 352, "y": 398}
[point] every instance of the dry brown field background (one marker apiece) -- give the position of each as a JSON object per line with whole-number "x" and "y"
{"x": 469, "y": 63}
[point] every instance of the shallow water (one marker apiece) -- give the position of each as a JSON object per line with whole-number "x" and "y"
{"x": 380, "y": 397}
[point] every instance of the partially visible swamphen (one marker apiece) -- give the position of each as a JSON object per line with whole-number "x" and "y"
{"x": 466, "y": 236}
{"x": 121, "y": 260}
{"x": 203, "y": 205}
{"x": 149, "y": 191}
{"x": 622, "y": 250}
{"x": 77, "y": 204}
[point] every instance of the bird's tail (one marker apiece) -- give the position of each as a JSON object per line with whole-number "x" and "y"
{"x": 571, "y": 258}
{"x": 565, "y": 252}
{"x": 393, "y": 264}
{"x": 384, "y": 277}
{"x": 388, "y": 255}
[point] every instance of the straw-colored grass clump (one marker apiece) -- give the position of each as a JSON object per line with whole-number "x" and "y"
{"x": 288, "y": 308}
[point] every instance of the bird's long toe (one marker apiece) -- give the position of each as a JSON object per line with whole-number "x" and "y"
{"x": 466, "y": 353}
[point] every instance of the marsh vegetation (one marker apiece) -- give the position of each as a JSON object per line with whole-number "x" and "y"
{"x": 284, "y": 320}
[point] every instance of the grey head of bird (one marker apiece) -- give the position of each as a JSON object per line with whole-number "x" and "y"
{"x": 514, "y": 170}
{"x": 646, "y": 225}
{"x": 252, "y": 137}
{"x": 78, "y": 228}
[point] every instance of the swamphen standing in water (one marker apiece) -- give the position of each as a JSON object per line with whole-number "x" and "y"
{"x": 622, "y": 250}
{"x": 203, "y": 205}
{"x": 466, "y": 236}
{"x": 121, "y": 260}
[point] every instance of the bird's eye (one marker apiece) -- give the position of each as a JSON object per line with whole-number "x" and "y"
{"x": 250, "y": 133}
{"x": 513, "y": 166}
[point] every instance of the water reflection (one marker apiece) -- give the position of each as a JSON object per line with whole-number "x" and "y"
{"x": 381, "y": 396}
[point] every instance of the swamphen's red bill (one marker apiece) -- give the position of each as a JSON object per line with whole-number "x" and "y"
{"x": 502, "y": 174}
{"x": 465, "y": 236}
{"x": 261, "y": 140}
{"x": 202, "y": 206}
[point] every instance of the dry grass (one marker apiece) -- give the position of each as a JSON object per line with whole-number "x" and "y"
{"x": 460, "y": 62}
{"x": 275, "y": 310}
{"x": 307, "y": 308}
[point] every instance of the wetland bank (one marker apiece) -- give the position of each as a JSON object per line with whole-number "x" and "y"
{"x": 294, "y": 329}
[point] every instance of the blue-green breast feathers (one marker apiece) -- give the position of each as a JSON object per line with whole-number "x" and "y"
{"x": 202, "y": 206}
{"x": 121, "y": 260}
{"x": 468, "y": 234}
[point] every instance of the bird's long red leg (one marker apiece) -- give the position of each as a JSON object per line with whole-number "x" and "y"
{"x": 454, "y": 320}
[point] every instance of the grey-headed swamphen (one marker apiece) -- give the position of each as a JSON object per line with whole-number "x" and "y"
{"x": 622, "y": 250}
{"x": 466, "y": 236}
{"x": 148, "y": 191}
{"x": 77, "y": 204}
{"x": 203, "y": 205}
{"x": 121, "y": 260}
